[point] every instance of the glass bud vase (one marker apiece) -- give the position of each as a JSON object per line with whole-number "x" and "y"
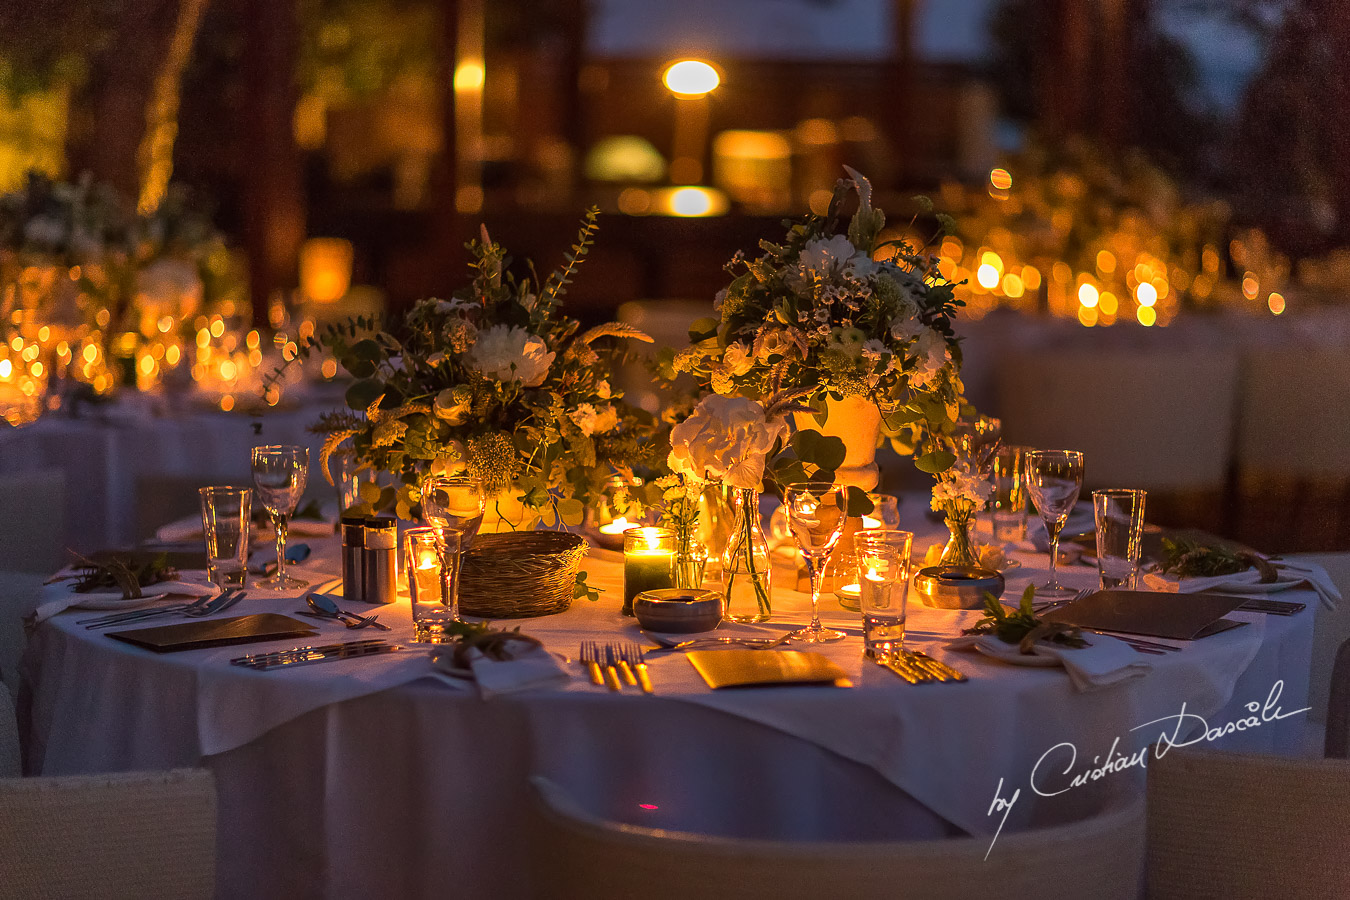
{"x": 960, "y": 549}
{"x": 691, "y": 557}
{"x": 746, "y": 574}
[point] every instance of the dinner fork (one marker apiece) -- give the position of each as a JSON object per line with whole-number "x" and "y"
{"x": 138, "y": 614}
{"x": 616, "y": 660}
{"x": 635, "y": 657}
{"x": 590, "y": 658}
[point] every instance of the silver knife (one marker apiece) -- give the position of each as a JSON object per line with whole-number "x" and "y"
{"x": 303, "y": 656}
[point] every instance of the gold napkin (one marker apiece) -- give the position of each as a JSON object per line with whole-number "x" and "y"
{"x": 744, "y": 668}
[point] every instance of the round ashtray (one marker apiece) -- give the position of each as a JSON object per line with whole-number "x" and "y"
{"x": 957, "y": 587}
{"x": 679, "y": 611}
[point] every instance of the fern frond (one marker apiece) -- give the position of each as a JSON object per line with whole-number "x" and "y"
{"x": 615, "y": 329}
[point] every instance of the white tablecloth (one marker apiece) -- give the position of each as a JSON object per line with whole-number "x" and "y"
{"x": 407, "y": 790}
{"x": 105, "y": 451}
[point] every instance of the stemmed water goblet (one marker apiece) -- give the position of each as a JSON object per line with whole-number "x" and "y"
{"x": 279, "y": 474}
{"x": 453, "y": 506}
{"x": 816, "y": 515}
{"x": 1054, "y": 478}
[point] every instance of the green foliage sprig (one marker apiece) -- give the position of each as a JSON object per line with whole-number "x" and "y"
{"x": 1187, "y": 558}
{"x": 1023, "y": 627}
{"x": 123, "y": 573}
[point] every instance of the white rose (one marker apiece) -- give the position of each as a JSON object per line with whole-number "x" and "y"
{"x": 738, "y": 359}
{"x": 724, "y": 439}
{"x": 822, "y": 256}
{"x": 594, "y": 421}
{"x": 778, "y": 342}
{"x": 860, "y": 266}
{"x": 448, "y": 409}
{"x": 507, "y": 353}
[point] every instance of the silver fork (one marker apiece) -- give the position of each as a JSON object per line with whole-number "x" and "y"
{"x": 220, "y": 604}
{"x": 590, "y": 657}
{"x": 137, "y": 615}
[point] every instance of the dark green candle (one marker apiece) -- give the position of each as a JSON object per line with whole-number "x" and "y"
{"x": 648, "y": 562}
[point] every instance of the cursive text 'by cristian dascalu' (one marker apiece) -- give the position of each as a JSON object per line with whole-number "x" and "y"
{"x": 1057, "y": 771}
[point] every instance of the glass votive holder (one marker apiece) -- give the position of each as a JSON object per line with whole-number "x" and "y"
{"x": 1008, "y": 505}
{"x": 844, "y": 571}
{"x": 883, "y": 569}
{"x": 648, "y": 562}
{"x": 885, "y": 512}
{"x": 422, "y": 567}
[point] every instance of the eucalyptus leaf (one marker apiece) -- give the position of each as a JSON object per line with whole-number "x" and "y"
{"x": 363, "y": 393}
{"x": 859, "y": 504}
{"x": 935, "y": 461}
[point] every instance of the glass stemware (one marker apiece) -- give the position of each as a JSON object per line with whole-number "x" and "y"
{"x": 279, "y": 474}
{"x": 1054, "y": 478}
{"x": 816, "y": 514}
{"x": 453, "y": 506}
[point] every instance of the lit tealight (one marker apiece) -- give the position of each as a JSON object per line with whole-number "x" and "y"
{"x": 618, "y": 526}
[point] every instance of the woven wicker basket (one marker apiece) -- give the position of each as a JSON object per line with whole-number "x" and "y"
{"x": 520, "y": 574}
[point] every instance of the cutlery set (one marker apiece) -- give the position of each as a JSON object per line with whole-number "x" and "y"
{"x": 200, "y": 608}
{"x": 616, "y": 665}
{"x": 305, "y": 656}
{"x": 917, "y": 667}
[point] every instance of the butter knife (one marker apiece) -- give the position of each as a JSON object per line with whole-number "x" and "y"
{"x": 305, "y": 655}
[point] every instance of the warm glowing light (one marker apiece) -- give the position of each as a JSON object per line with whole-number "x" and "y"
{"x": 696, "y": 201}
{"x": 1251, "y": 286}
{"x": 618, "y": 526}
{"x": 103, "y": 317}
{"x": 227, "y": 403}
{"x": 90, "y": 353}
{"x": 6, "y": 368}
{"x": 203, "y": 337}
{"x": 326, "y": 268}
{"x": 990, "y": 258}
{"x": 44, "y": 334}
{"x": 1087, "y": 315}
{"x": 1061, "y": 272}
{"x": 1031, "y": 277}
{"x": 1087, "y": 295}
{"x": 217, "y": 328}
{"x": 987, "y": 276}
{"x": 165, "y": 323}
{"x": 252, "y": 340}
{"x": 1012, "y": 285}
{"x": 470, "y": 76}
{"x": 869, "y": 522}
{"x": 147, "y": 365}
{"x": 228, "y": 370}
{"x": 1000, "y": 179}
{"x": 16, "y": 343}
{"x": 172, "y": 355}
{"x": 1106, "y": 262}
{"x": 1147, "y": 316}
{"x": 329, "y": 367}
{"x": 1276, "y": 302}
{"x": 691, "y": 78}
{"x": 1108, "y": 304}
{"x": 1146, "y": 294}
{"x": 36, "y": 369}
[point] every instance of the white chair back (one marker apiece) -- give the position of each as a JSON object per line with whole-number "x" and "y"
{"x": 579, "y": 856}
{"x": 1153, "y": 420}
{"x": 1230, "y": 826}
{"x": 33, "y": 521}
{"x": 108, "y": 836}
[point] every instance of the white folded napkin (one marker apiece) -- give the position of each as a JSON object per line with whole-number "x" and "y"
{"x": 1105, "y": 662}
{"x": 533, "y": 667}
{"x": 1290, "y": 575}
{"x": 61, "y": 596}
{"x": 189, "y": 528}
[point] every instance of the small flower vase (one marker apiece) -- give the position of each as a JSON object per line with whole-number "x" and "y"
{"x": 960, "y": 549}
{"x": 690, "y": 559}
{"x": 746, "y": 573}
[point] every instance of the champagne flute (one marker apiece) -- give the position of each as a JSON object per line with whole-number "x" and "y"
{"x": 1054, "y": 478}
{"x": 453, "y": 506}
{"x": 279, "y": 473}
{"x": 816, "y": 515}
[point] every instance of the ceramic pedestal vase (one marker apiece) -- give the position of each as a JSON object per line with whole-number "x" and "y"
{"x": 857, "y": 422}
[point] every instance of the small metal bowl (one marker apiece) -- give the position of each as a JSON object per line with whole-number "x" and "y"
{"x": 679, "y": 611}
{"x": 957, "y": 587}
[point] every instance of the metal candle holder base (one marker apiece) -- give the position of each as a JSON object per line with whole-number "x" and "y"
{"x": 957, "y": 587}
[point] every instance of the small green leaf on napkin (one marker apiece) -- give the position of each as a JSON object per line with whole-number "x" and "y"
{"x": 1187, "y": 558}
{"x": 122, "y": 573}
{"x": 1023, "y": 627}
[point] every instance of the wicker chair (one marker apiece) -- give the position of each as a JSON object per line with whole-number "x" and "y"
{"x": 1244, "y": 827}
{"x": 136, "y": 835}
{"x": 578, "y": 856}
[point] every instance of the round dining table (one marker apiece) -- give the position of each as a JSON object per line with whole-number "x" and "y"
{"x": 387, "y": 776}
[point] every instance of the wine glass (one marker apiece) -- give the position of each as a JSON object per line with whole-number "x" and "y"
{"x": 453, "y": 506}
{"x": 279, "y": 473}
{"x": 816, "y": 514}
{"x": 1054, "y": 478}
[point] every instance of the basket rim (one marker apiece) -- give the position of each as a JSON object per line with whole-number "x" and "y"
{"x": 528, "y": 543}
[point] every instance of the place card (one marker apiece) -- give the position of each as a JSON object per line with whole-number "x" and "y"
{"x": 1184, "y": 617}
{"x": 752, "y": 668}
{"x": 216, "y": 632}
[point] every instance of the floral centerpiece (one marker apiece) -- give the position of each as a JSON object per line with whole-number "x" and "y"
{"x": 854, "y": 322}
{"x": 495, "y": 381}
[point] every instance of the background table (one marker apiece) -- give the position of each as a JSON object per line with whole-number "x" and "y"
{"x": 411, "y": 790}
